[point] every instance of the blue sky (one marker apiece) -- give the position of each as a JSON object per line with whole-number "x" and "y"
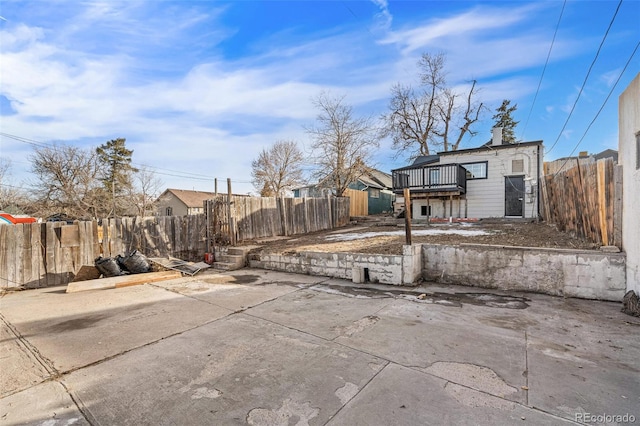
{"x": 198, "y": 88}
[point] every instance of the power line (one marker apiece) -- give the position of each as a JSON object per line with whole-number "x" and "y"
{"x": 587, "y": 76}
{"x": 175, "y": 173}
{"x": 544, "y": 68}
{"x": 601, "y": 107}
{"x": 24, "y": 140}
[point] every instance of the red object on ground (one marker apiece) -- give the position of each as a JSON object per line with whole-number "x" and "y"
{"x": 6, "y": 217}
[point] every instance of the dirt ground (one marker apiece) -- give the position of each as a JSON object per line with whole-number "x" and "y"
{"x": 371, "y": 237}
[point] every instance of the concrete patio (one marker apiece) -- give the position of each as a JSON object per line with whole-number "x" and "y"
{"x": 269, "y": 348}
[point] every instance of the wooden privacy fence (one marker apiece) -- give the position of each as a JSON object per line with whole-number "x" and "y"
{"x": 358, "y": 202}
{"x": 586, "y": 200}
{"x": 48, "y": 254}
{"x": 248, "y": 218}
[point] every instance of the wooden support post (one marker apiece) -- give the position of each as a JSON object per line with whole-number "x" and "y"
{"x": 331, "y": 226}
{"x": 450, "y": 208}
{"x": 232, "y": 234}
{"x": 407, "y": 216}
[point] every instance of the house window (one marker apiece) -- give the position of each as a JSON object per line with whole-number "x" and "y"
{"x": 374, "y": 193}
{"x": 425, "y": 210}
{"x": 434, "y": 177}
{"x": 169, "y": 211}
{"x": 476, "y": 170}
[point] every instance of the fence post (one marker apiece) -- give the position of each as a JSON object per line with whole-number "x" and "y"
{"x": 407, "y": 215}
{"x": 232, "y": 234}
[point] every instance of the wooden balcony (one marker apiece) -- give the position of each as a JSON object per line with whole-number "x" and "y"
{"x": 437, "y": 180}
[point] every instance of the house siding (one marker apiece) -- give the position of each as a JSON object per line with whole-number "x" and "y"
{"x": 628, "y": 147}
{"x": 170, "y": 200}
{"x": 486, "y": 197}
{"x": 382, "y": 204}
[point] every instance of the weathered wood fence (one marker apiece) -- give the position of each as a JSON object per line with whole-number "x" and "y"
{"x": 249, "y": 218}
{"x": 48, "y": 254}
{"x": 586, "y": 200}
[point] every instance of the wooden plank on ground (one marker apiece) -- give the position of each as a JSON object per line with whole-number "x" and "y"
{"x": 122, "y": 281}
{"x": 86, "y": 273}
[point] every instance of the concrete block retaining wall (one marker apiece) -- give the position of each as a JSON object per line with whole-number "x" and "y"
{"x": 402, "y": 269}
{"x": 558, "y": 272}
{"x": 584, "y": 274}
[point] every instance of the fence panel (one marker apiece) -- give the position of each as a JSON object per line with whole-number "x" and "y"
{"x": 48, "y": 254}
{"x": 359, "y": 202}
{"x": 584, "y": 200}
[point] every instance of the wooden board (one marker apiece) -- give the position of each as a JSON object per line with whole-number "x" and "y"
{"x": 86, "y": 273}
{"x": 122, "y": 281}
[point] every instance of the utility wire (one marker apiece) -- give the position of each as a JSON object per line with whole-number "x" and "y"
{"x": 586, "y": 77}
{"x": 526, "y": 123}
{"x": 175, "y": 173}
{"x": 601, "y": 107}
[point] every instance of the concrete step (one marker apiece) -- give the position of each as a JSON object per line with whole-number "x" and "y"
{"x": 232, "y": 258}
{"x": 226, "y": 266}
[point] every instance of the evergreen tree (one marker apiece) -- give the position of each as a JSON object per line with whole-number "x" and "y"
{"x": 116, "y": 160}
{"x": 505, "y": 120}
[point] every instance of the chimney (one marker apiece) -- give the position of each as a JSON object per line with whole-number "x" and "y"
{"x": 497, "y": 136}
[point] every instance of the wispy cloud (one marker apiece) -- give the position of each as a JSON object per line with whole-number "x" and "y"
{"x": 163, "y": 74}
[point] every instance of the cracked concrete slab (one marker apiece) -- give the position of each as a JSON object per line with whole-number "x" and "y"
{"x": 20, "y": 368}
{"x": 443, "y": 339}
{"x": 238, "y": 369}
{"x": 403, "y": 396}
{"x": 47, "y": 404}
{"x": 319, "y": 313}
{"x": 566, "y": 384}
{"x": 77, "y": 329}
{"x": 317, "y": 352}
{"x": 239, "y": 290}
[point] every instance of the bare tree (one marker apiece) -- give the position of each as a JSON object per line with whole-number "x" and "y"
{"x": 342, "y": 143}
{"x": 68, "y": 181}
{"x": 433, "y": 116}
{"x": 278, "y": 169}
{"x": 12, "y": 198}
{"x": 141, "y": 198}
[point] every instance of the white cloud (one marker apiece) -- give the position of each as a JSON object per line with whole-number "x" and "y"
{"x": 162, "y": 81}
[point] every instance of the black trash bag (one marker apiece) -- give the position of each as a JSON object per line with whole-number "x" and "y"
{"x": 120, "y": 262}
{"x": 136, "y": 263}
{"x": 108, "y": 266}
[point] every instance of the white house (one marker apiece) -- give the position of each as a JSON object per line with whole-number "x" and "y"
{"x": 493, "y": 180}
{"x": 629, "y": 157}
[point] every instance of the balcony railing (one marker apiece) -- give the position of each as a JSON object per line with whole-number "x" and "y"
{"x": 438, "y": 178}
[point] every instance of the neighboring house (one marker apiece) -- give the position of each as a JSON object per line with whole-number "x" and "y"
{"x": 494, "y": 180}
{"x": 566, "y": 163}
{"x": 629, "y": 148}
{"x": 181, "y": 202}
{"x": 376, "y": 183}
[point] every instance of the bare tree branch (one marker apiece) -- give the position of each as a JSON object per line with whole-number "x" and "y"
{"x": 278, "y": 170}
{"x": 422, "y": 121}
{"x": 342, "y": 144}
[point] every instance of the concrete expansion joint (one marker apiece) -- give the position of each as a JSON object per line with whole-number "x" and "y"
{"x": 46, "y": 363}
{"x": 84, "y": 410}
{"x": 384, "y": 366}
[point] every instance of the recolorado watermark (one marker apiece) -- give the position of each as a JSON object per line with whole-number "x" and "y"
{"x": 605, "y": 418}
